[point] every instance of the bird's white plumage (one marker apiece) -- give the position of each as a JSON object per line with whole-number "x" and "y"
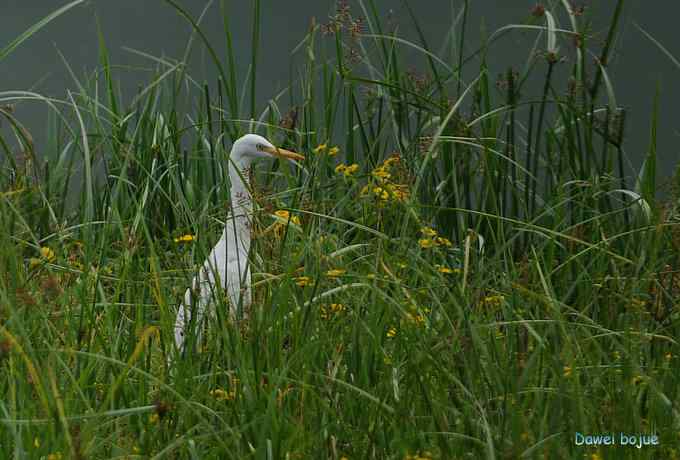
{"x": 227, "y": 264}
{"x": 226, "y": 269}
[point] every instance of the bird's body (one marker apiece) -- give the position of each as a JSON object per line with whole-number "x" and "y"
{"x": 226, "y": 269}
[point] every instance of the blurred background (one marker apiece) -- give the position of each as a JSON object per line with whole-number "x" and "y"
{"x": 637, "y": 68}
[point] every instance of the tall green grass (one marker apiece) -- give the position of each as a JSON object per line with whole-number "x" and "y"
{"x": 554, "y": 310}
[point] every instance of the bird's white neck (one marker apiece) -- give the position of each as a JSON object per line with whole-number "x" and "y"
{"x": 241, "y": 200}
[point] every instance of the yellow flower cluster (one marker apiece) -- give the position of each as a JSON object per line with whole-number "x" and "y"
{"x": 386, "y": 192}
{"x": 303, "y": 281}
{"x": 321, "y": 148}
{"x": 226, "y": 395}
{"x": 429, "y": 232}
{"x": 432, "y": 239}
{"x": 447, "y": 270}
{"x": 380, "y": 186}
{"x": 391, "y": 332}
{"x": 185, "y": 239}
{"x": 285, "y": 215}
{"x": 329, "y": 311}
{"x": 46, "y": 255}
{"x": 334, "y": 273}
{"x": 223, "y": 395}
{"x": 381, "y": 173}
{"x": 347, "y": 170}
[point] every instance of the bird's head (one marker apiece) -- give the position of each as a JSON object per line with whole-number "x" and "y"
{"x": 250, "y": 147}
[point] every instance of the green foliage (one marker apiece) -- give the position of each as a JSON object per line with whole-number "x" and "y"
{"x": 485, "y": 292}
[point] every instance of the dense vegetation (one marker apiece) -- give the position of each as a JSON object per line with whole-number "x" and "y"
{"x": 461, "y": 269}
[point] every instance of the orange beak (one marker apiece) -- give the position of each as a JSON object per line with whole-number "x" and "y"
{"x": 283, "y": 153}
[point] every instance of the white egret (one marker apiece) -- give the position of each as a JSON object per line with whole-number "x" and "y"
{"x": 227, "y": 263}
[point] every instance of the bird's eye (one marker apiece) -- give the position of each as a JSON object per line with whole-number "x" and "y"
{"x": 260, "y": 147}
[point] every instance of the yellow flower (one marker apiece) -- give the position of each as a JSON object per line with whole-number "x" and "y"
{"x": 426, "y": 243}
{"x": 34, "y": 262}
{"x": 36, "y": 443}
{"x": 335, "y": 272}
{"x": 596, "y": 456}
{"x": 416, "y": 319}
{"x": 638, "y": 379}
{"x": 223, "y": 395}
{"x": 154, "y": 418}
{"x": 332, "y": 309}
{"x": 391, "y": 332}
{"x": 566, "y": 371}
{"x": 493, "y": 301}
{"x": 399, "y": 192}
{"x": 427, "y": 231}
{"x": 55, "y": 456}
{"x": 303, "y": 281}
{"x": 320, "y": 148}
{"x": 381, "y": 193}
{"x": 347, "y": 170}
{"x": 185, "y": 239}
{"x": 370, "y": 276}
{"x": 333, "y": 151}
{"x": 337, "y": 307}
{"x": 47, "y": 254}
{"x": 441, "y": 241}
{"x": 324, "y": 312}
{"x": 381, "y": 173}
{"x": 285, "y": 215}
{"x": 447, "y": 270}
{"x": 669, "y": 355}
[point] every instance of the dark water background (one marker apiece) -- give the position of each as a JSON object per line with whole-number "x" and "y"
{"x": 153, "y": 27}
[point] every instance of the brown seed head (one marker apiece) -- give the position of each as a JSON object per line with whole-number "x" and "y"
{"x": 538, "y": 11}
